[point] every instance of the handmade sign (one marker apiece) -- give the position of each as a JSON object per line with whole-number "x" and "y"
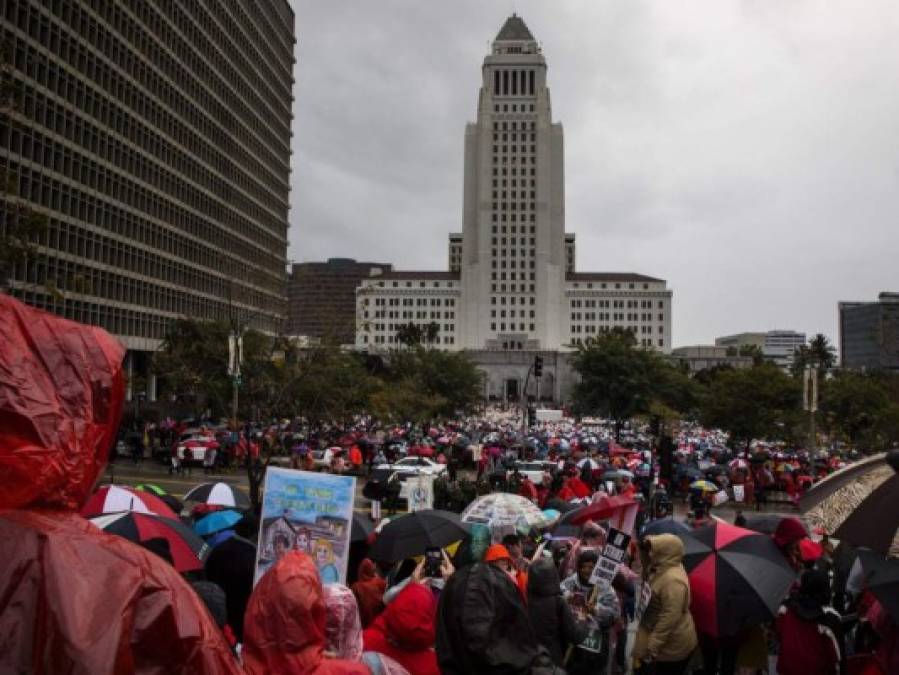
{"x": 306, "y": 511}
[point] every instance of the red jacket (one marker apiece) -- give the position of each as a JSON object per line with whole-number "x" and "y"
{"x": 284, "y": 625}
{"x": 806, "y": 646}
{"x": 579, "y": 487}
{"x": 369, "y": 592}
{"x": 405, "y": 631}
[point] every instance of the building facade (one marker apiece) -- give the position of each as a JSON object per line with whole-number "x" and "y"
{"x": 702, "y": 357}
{"x": 155, "y": 138}
{"x": 778, "y": 346}
{"x": 321, "y": 298}
{"x": 512, "y": 285}
{"x": 869, "y": 334}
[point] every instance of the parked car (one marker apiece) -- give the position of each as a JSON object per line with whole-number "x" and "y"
{"x": 414, "y": 466}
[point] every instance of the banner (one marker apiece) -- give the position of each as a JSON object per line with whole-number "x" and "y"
{"x": 310, "y": 512}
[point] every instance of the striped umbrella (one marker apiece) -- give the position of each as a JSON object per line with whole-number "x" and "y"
{"x": 189, "y": 552}
{"x": 859, "y": 504}
{"x": 218, "y": 493}
{"x": 113, "y": 499}
{"x": 737, "y": 578}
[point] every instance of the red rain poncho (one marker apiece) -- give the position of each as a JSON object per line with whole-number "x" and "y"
{"x": 284, "y": 626}
{"x": 405, "y": 631}
{"x": 73, "y": 598}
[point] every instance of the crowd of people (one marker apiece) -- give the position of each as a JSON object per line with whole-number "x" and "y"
{"x": 75, "y": 599}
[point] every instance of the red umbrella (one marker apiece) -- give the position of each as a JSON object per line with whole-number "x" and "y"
{"x": 601, "y": 509}
{"x": 113, "y": 498}
{"x": 422, "y": 451}
{"x": 737, "y": 578}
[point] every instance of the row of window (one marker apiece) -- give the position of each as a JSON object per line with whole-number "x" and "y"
{"x": 512, "y": 313}
{"x": 388, "y": 314}
{"x": 156, "y": 99}
{"x": 592, "y": 328}
{"x": 119, "y": 162}
{"x": 391, "y": 339}
{"x": 616, "y": 316}
{"x": 617, "y": 304}
{"x": 512, "y": 326}
{"x": 513, "y": 82}
{"x": 411, "y": 302}
{"x": 63, "y": 199}
{"x": 643, "y": 342}
{"x": 393, "y": 327}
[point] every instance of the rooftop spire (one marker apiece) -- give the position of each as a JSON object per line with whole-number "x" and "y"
{"x": 514, "y": 29}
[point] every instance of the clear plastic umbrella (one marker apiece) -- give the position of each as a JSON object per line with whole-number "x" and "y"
{"x": 504, "y": 514}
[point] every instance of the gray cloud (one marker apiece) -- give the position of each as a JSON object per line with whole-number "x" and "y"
{"x": 745, "y": 151}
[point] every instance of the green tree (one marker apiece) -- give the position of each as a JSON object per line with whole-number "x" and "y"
{"x": 409, "y": 334}
{"x": 859, "y": 408}
{"x": 818, "y": 352}
{"x": 754, "y": 351}
{"x": 620, "y": 380}
{"x": 760, "y": 402}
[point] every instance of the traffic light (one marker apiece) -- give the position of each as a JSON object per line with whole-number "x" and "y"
{"x": 538, "y": 366}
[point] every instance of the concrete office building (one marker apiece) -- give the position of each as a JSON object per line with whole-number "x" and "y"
{"x": 703, "y": 357}
{"x": 321, "y": 298}
{"x": 512, "y": 284}
{"x": 778, "y": 346}
{"x": 869, "y": 334}
{"x": 155, "y": 137}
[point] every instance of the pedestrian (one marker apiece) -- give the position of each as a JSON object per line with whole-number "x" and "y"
{"x": 666, "y": 636}
{"x": 809, "y": 632}
{"x": 232, "y": 565}
{"x": 483, "y": 627}
{"x": 405, "y": 631}
{"x": 369, "y": 591}
{"x": 554, "y": 624}
{"x": 286, "y": 622}
{"x": 597, "y": 606}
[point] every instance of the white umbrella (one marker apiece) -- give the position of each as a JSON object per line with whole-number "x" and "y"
{"x": 504, "y": 514}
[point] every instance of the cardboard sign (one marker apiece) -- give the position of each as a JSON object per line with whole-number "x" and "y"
{"x": 612, "y": 555}
{"x": 306, "y": 511}
{"x": 604, "y": 570}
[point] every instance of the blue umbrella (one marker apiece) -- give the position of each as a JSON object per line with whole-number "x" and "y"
{"x": 215, "y": 521}
{"x": 664, "y": 526}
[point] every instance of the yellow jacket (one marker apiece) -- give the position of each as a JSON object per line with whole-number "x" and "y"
{"x": 666, "y": 631}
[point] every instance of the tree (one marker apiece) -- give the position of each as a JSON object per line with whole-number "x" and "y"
{"x": 859, "y": 408}
{"x": 412, "y": 334}
{"x": 619, "y": 380}
{"x": 754, "y": 351}
{"x": 761, "y": 402}
{"x": 818, "y": 352}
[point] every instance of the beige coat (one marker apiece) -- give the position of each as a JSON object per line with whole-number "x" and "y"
{"x": 666, "y": 631}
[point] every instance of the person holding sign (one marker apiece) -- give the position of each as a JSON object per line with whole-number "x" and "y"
{"x": 666, "y": 636}
{"x": 595, "y": 604}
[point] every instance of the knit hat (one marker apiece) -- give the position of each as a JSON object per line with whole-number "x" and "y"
{"x": 497, "y": 552}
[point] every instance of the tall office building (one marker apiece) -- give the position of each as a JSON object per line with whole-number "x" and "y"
{"x": 321, "y": 298}
{"x": 869, "y": 334}
{"x": 512, "y": 285}
{"x": 155, "y": 137}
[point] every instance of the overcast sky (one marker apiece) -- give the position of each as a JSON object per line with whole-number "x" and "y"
{"x": 747, "y": 152}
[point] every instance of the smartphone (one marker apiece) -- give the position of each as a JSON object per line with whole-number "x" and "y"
{"x": 433, "y": 561}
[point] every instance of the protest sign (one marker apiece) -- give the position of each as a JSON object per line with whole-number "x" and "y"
{"x": 612, "y": 555}
{"x": 645, "y": 597}
{"x": 310, "y": 512}
{"x": 739, "y": 493}
{"x": 720, "y": 497}
{"x": 418, "y": 492}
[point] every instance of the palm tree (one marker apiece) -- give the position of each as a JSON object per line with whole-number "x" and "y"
{"x": 822, "y": 351}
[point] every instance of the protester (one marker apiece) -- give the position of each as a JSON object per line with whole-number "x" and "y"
{"x": 483, "y": 627}
{"x": 597, "y": 606}
{"x": 809, "y": 631}
{"x": 369, "y": 591}
{"x": 499, "y": 556}
{"x": 73, "y": 598}
{"x": 231, "y": 565}
{"x": 513, "y": 545}
{"x": 789, "y": 532}
{"x": 343, "y": 631}
{"x": 285, "y": 623}
{"x": 666, "y": 636}
{"x": 405, "y": 630}
{"x": 552, "y": 620}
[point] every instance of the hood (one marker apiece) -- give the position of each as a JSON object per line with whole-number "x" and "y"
{"x": 667, "y": 550}
{"x": 367, "y": 570}
{"x": 284, "y": 624}
{"x": 343, "y": 629}
{"x": 61, "y": 394}
{"x": 789, "y": 531}
{"x": 543, "y": 579}
{"x": 409, "y": 619}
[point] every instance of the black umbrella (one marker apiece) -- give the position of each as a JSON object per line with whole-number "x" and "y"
{"x": 219, "y": 493}
{"x": 664, "y": 526}
{"x": 716, "y": 469}
{"x": 882, "y": 579}
{"x": 411, "y": 534}
{"x": 362, "y": 527}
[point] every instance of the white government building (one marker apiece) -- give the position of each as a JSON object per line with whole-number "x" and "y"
{"x": 511, "y": 290}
